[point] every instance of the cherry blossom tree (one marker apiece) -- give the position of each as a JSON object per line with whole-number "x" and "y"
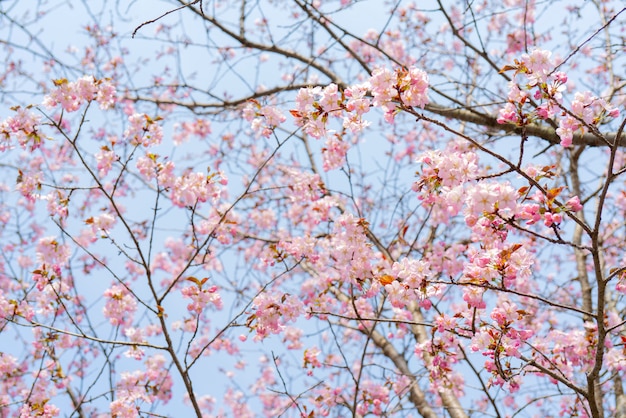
{"x": 313, "y": 208}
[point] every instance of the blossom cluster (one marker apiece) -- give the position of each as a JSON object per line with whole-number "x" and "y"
{"x": 50, "y": 250}
{"x": 142, "y": 386}
{"x": 351, "y": 249}
{"x": 24, "y": 127}
{"x": 263, "y": 119}
{"x": 374, "y": 398}
{"x": 407, "y": 86}
{"x": 143, "y": 130}
{"x": 187, "y": 189}
{"x": 448, "y": 169}
{"x": 105, "y": 159}
{"x": 45, "y": 410}
{"x": 449, "y": 181}
{"x": 191, "y": 188}
{"x": 567, "y": 350}
{"x": 71, "y": 95}
{"x": 388, "y": 89}
{"x": 545, "y": 84}
{"x": 272, "y": 312}
{"x": 201, "y": 297}
{"x": 443, "y": 176}
{"x": 586, "y": 111}
{"x": 120, "y": 305}
{"x": 411, "y": 284}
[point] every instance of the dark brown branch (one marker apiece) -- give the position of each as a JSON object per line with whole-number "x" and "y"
{"x": 538, "y": 131}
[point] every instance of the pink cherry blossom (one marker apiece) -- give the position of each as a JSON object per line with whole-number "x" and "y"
{"x": 120, "y": 306}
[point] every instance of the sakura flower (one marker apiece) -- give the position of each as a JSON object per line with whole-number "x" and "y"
{"x": 539, "y": 65}
{"x": 263, "y": 119}
{"x": 23, "y": 127}
{"x": 334, "y": 153}
{"x": 105, "y": 158}
{"x": 311, "y": 357}
{"x": 120, "y": 305}
{"x": 202, "y": 297}
{"x": 574, "y": 204}
{"x": 143, "y": 130}
{"x": 106, "y": 95}
{"x": 508, "y": 114}
{"x": 414, "y": 87}
{"x": 51, "y": 251}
